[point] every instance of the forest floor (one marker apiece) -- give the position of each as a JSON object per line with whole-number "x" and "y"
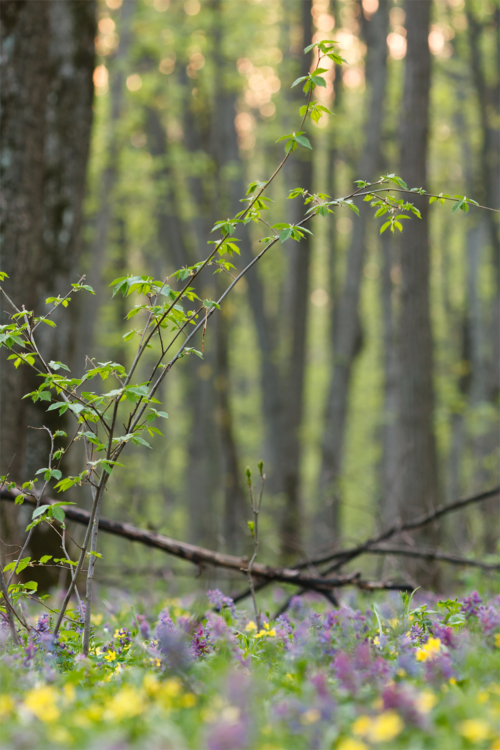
{"x": 392, "y": 672}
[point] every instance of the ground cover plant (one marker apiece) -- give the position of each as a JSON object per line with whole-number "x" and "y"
{"x": 407, "y": 670}
{"x": 402, "y": 672}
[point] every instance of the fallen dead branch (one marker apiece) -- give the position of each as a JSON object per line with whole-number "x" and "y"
{"x": 200, "y": 555}
{"x": 266, "y": 574}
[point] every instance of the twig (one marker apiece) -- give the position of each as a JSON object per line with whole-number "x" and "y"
{"x": 9, "y": 609}
{"x": 39, "y": 499}
{"x": 432, "y": 555}
{"x": 254, "y": 529}
{"x": 347, "y": 555}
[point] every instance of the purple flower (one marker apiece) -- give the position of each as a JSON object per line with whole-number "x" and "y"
{"x": 489, "y": 619}
{"x": 402, "y": 698}
{"x": 345, "y": 673}
{"x": 219, "y": 601}
{"x": 201, "y": 644}
{"x": 470, "y": 605}
{"x": 445, "y": 634}
{"x": 144, "y": 628}
{"x": 229, "y": 735}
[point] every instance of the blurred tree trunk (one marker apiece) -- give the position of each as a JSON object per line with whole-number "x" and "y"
{"x": 294, "y": 331}
{"x": 96, "y": 254}
{"x": 347, "y": 328}
{"x": 389, "y": 464}
{"x": 230, "y": 187}
{"x": 418, "y": 486}
{"x": 183, "y": 243}
{"x": 47, "y": 92}
{"x": 485, "y": 387}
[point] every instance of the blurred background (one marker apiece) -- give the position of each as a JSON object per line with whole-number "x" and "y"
{"x": 129, "y": 127}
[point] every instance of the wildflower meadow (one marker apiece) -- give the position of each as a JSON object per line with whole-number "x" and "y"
{"x": 403, "y": 672}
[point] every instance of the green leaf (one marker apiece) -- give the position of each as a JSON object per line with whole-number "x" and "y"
{"x": 23, "y": 564}
{"x": 45, "y": 559}
{"x": 303, "y": 141}
{"x": 58, "y": 513}
{"x": 38, "y": 511}
{"x": 285, "y": 234}
{"x": 385, "y": 226}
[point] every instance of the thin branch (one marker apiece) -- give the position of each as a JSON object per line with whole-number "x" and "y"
{"x": 397, "y": 528}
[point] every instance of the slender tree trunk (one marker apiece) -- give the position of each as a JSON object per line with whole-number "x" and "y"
{"x": 89, "y": 306}
{"x": 295, "y": 320}
{"x": 347, "y": 328}
{"x": 390, "y": 465}
{"x": 418, "y": 489}
{"x": 489, "y": 110}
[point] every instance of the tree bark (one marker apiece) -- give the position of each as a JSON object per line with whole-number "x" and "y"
{"x": 25, "y": 85}
{"x": 487, "y": 377}
{"x": 347, "y": 328}
{"x": 89, "y": 306}
{"x": 47, "y": 91}
{"x": 418, "y": 490}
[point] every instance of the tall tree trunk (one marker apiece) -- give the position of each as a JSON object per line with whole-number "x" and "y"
{"x": 89, "y": 306}
{"x": 347, "y": 328}
{"x": 489, "y": 194}
{"x": 24, "y": 86}
{"x": 68, "y": 118}
{"x": 47, "y": 92}
{"x": 418, "y": 489}
{"x": 295, "y": 322}
{"x": 389, "y": 465}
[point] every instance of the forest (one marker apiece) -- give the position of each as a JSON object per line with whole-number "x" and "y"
{"x": 247, "y": 501}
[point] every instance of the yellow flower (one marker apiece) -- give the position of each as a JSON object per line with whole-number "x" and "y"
{"x": 361, "y": 726}
{"x": 250, "y": 626}
{"x": 110, "y": 656}
{"x": 155, "y": 661}
{"x": 497, "y": 640}
{"x": 96, "y": 619}
{"x": 41, "y": 701}
{"x": 289, "y": 677}
{"x": 349, "y": 744}
{"x": 69, "y": 693}
{"x": 311, "y": 716}
{"x": 376, "y": 641}
{"x": 429, "y": 650}
{"x": 385, "y": 727}
{"x": 61, "y": 736}
{"x": 6, "y": 706}
{"x": 401, "y": 673}
{"x": 120, "y": 633}
{"x": 188, "y": 700}
{"x": 171, "y": 688}
{"x": 95, "y": 712}
{"x": 394, "y": 622}
{"x": 452, "y": 681}
{"x": 483, "y": 696}
{"x": 127, "y": 702}
{"x": 475, "y": 730}
{"x": 426, "y": 701}
{"x": 151, "y": 684}
{"x": 496, "y": 745}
